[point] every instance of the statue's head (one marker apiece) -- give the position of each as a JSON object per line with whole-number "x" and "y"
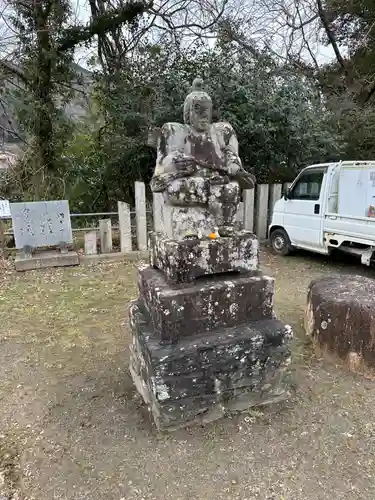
{"x": 198, "y": 107}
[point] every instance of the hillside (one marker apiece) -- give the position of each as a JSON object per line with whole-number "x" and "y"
{"x": 10, "y": 130}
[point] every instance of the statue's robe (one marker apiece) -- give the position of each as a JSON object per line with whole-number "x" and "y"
{"x": 210, "y": 186}
{"x": 213, "y": 151}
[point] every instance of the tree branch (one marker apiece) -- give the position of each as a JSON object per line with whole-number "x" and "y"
{"x": 104, "y": 22}
{"x": 167, "y": 18}
{"x": 13, "y": 132}
{"x": 305, "y": 39}
{"x": 302, "y": 23}
{"x": 8, "y": 130}
{"x": 13, "y": 69}
{"x": 330, "y": 35}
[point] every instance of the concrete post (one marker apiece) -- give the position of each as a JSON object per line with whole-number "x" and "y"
{"x": 91, "y": 243}
{"x": 124, "y": 220}
{"x": 248, "y": 201}
{"x": 140, "y": 214}
{"x": 275, "y": 195}
{"x": 262, "y": 211}
{"x": 105, "y": 229}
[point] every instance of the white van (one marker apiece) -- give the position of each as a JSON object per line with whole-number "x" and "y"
{"x": 328, "y": 206}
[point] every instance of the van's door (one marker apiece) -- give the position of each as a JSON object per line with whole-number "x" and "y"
{"x": 304, "y": 210}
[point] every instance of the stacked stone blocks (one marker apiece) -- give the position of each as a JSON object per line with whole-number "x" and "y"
{"x": 206, "y": 341}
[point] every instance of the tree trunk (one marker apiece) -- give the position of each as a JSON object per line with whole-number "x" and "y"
{"x": 43, "y": 89}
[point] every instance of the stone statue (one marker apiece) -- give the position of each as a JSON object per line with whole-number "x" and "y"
{"x": 199, "y": 172}
{"x": 204, "y": 308}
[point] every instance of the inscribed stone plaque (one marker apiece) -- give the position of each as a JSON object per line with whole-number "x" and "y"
{"x": 41, "y": 223}
{"x": 4, "y": 211}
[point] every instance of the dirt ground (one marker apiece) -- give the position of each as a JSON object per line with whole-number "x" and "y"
{"x": 72, "y": 427}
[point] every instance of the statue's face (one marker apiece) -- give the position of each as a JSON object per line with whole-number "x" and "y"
{"x": 200, "y": 114}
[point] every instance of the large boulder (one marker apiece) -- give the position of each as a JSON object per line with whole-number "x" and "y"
{"x": 340, "y": 318}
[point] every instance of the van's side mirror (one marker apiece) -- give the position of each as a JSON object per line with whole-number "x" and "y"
{"x": 286, "y": 194}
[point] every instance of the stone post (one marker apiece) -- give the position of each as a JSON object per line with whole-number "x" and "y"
{"x": 262, "y": 211}
{"x": 275, "y": 195}
{"x": 140, "y": 214}
{"x": 91, "y": 243}
{"x": 124, "y": 219}
{"x": 248, "y": 202}
{"x": 240, "y": 215}
{"x": 105, "y": 229}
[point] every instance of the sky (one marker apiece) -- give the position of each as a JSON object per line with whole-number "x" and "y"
{"x": 263, "y": 20}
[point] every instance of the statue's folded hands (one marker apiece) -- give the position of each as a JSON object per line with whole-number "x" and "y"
{"x": 185, "y": 164}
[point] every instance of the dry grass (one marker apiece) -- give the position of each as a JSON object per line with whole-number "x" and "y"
{"x": 72, "y": 427}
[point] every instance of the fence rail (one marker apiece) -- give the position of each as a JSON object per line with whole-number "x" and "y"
{"x": 133, "y": 224}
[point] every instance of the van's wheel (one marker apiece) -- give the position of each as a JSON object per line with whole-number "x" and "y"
{"x": 280, "y": 242}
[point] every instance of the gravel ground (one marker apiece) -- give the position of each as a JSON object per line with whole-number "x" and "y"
{"x": 72, "y": 427}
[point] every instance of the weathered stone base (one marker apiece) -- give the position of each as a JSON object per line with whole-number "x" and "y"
{"x": 208, "y": 376}
{"x": 187, "y": 309}
{"x": 184, "y": 260}
{"x": 179, "y": 222}
{"x": 45, "y": 260}
{"x": 340, "y": 319}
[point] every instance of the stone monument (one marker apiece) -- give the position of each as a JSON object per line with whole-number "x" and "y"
{"x": 43, "y": 235}
{"x": 206, "y": 341}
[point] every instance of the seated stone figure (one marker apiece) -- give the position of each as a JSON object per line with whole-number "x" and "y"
{"x": 199, "y": 171}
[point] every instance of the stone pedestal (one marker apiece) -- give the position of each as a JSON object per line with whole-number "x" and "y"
{"x": 179, "y": 221}
{"x": 185, "y": 260}
{"x": 45, "y": 260}
{"x": 339, "y": 318}
{"x": 205, "y": 338}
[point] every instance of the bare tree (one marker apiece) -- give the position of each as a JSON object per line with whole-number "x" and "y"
{"x": 174, "y": 21}
{"x": 37, "y": 47}
{"x": 311, "y": 43}
{"x": 287, "y": 29}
